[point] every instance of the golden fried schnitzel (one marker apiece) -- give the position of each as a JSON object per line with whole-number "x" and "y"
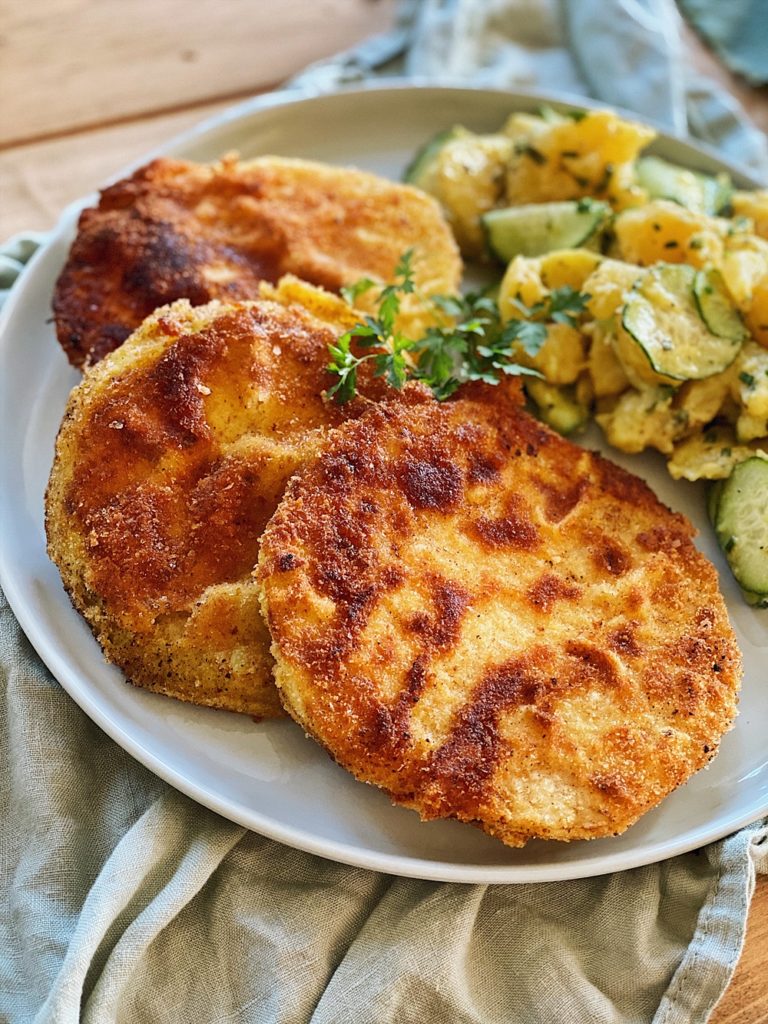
{"x": 181, "y": 230}
{"x": 173, "y": 454}
{"x": 493, "y": 624}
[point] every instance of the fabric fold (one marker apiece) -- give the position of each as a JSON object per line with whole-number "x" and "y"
{"x": 155, "y": 870}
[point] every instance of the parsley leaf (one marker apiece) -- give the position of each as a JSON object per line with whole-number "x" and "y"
{"x": 350, "y": 292}
{"x": 470, "y": 341}
{"x": 562, "y": 306}
{"x": 344, "y": 363}
{"x": 529, "y": 333}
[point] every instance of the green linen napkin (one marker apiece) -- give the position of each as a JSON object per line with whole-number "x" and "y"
{"x": 124, "y": 902}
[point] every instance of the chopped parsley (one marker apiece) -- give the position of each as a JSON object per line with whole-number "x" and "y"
{"x": 526, "y": 149}
{"x": 376, "y": 333}
{"x": 562, "y": 306}
{"x": 472, "y": 343}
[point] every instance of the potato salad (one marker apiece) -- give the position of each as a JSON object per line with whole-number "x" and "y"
{"x": 666, "y": 269}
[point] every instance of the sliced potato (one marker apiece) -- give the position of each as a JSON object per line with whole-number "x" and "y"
{"x": 756, "y": 313}
{"x": 753, "y": 205}
{"x": 571, "y": 158}
{"x": 562, "y": 357}
{"x": 605, "y": 371}
{"x": 641, "y": 419}
{"x": 710, "y": 455}
{"x": 703, "y": 400}
{"x": 743, "y": 265}
{"x": 522, "y": 282}
{"x": 465, "y": 173}
{"x": 663, "y": 231}
{"x": 750, "y": 389}
{"x": 608, "y": 287}
{"x": 568, "y": 268}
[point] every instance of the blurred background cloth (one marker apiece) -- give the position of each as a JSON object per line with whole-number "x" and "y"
{"x": 123, "y": 901}
{"x": 737, "y": 30}
{"x": 626, "y": 52}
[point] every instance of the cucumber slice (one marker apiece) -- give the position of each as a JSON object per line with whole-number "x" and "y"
{"x": 741, "y": 525}
{"x": 662, "y": 318}
{"x": 557, "y": 406}
{"x": 539, "y": 228}
{"x": 715, "y": 307}
{"x": 419, "y": 169}
{"x": 702, "y": 193}
{"x": 713, "y": 500}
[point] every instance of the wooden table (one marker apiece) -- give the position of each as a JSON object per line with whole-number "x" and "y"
{"x": 89, "y": 86}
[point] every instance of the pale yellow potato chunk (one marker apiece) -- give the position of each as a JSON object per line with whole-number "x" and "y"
{"x": 562, "y": 357}
{"x": 710, "y": 455}
{"x": 642, "y": 419}
{"x": 523, "y": 127}
{"x": 744, "y": 263}
{"x": 702, "y": 400}
{"x": 756, "y": 314}
{"x": 753, "y": 205}
{"x": 568, "y": 268}
{"x": 608, "y": 286}
{"x": 467, "y": 179}
{"x": 605, "y": 371}
{"x": 571, "y": 158}
{"x": 664, "y": 232}
{"x": 750, "y": 389}
{"x": 522, "y": 281}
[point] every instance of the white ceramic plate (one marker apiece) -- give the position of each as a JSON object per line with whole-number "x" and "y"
{"x": 269, "y": 776}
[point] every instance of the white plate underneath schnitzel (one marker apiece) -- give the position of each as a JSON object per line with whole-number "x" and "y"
{"x": 270, "y": 777}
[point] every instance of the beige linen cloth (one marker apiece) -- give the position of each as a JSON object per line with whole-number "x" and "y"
{"x": 124, "y": 902}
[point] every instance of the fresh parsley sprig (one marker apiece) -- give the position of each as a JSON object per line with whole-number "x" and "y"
{"x": 469, "y": 341}
{"x": 387, "y": 346}
{"x": 562, "y": 306}
{"x": 475, "y": 345}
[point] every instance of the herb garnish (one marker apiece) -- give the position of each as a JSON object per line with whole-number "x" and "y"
{"x": 526, "y": 149}
{"x": 376, "y": 333}
{"x": 472, "y": 343}
{"x": 562, "y": 306}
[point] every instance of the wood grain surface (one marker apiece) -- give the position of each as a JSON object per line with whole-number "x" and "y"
{"x": 98, "y": 62}
{"x": 97, "y": 83}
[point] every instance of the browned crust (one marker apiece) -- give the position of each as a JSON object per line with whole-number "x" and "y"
{"x": 181, "y": 230}
{"x": 494, "y": 625}
{"x": 173, "y": 454}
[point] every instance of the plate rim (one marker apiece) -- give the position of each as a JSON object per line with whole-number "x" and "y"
{"x": 76, "y": 687}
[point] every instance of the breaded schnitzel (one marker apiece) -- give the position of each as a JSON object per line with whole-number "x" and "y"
{"x": 181, "y": 230}
{"x": 493, "y": 624}
{"x": 173, "y": 454}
